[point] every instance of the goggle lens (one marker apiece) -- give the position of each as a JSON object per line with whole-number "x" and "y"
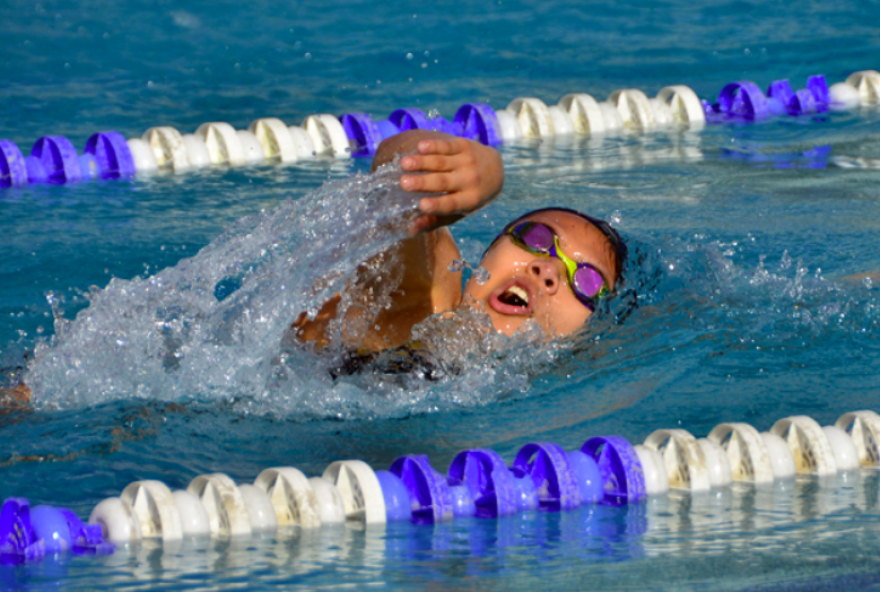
{"x": 536, "y": 236}
{"x": 588, "y": 281}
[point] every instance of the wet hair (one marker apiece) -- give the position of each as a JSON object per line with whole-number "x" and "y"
{"x": 614, "y": 239}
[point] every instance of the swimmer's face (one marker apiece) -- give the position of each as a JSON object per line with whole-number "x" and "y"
{"x": 523, "y": 285}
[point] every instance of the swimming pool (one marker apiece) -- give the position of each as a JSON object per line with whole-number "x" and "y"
{"x": 746, "y": 232}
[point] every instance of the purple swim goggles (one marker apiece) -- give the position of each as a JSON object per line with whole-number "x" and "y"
{"x": 586, "y": 282}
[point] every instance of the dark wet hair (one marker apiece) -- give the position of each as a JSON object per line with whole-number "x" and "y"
{"x": 614, "y": 239}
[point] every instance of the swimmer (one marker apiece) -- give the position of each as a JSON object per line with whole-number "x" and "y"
{"x": 551, "y": 266}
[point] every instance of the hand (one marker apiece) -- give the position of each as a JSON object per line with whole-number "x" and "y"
{"x": 468, "y": 174}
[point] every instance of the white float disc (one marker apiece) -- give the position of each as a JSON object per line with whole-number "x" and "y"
{"x": 867, "y": 82}
{"x": 302, "y": 141}
{"x": 746, "y": 452}
{"x": 683, "y": 458}
{"x": 634, "y": 108}
{"x": 274, "y": 137}
{"x": 261, "y": 513}
{"x": 250, "y": 146}
{"x": 717, "y": 463}
{"x": 781, "y": 458}
{"x": 168, "y": 147}
{"x": 864, "y": 429}
{"x": 844, "y": 96}
{"x": 142, "y": 156}
{"x": 685, "y": 105}
{"x": 196, "y": 151}
{"x": 508, "y": 126}
{"x": 222, "y": 143}
{"x": 194, "y": 518}
{"x": 533, "y": 117}
{"x": 117, "y": 520}
{"x": 846, "y": 457}
{"x": 808, "y": 444}
{"x": 360, "y": 490}
{"x": 656, "y": 480}
{"x": 155, "y": 508}
{"x": 585, "y": 113}
{"x": 328, "y": 136}
{"x": 222, "y": 499}
{"x": 330, "y": 506}
{"x": 562, "y": 124}
{"x": 291, "y": 495}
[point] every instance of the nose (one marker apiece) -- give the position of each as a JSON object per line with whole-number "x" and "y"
{"x": 546, "y": 272}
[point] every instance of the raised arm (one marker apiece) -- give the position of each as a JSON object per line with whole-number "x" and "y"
{"x": 467, "y": 174}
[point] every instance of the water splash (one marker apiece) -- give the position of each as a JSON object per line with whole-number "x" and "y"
{"x": 216, "y": 327}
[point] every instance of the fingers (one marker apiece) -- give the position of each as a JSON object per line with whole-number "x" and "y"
{"x": 445, "y": 205}
{"x": 428, "y": 163}
{"x": 433, "y": 183}
{"x": 444, "y": 147}
{"x": 438, "y": 155}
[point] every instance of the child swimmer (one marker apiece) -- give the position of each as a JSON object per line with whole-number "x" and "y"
{"x": 550, "y": 265}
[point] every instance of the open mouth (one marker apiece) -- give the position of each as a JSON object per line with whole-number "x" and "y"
{"x": 514, "y": 298}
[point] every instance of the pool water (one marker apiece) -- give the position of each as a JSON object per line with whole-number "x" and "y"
{"x": 747, "y": 299}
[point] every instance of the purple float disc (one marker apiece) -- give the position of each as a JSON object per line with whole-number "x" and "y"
{"x": 805, "y": 102}
{"x": 428, "y": 491}
{"x": 622, "y": 475}
{"x": 86, "y": 538}
{"x": 589, "y": 477}
{"x": 478, "y": 122}
{"x": 780, "y": 97}
{"x": 490, "y": 482}
{"x": 408, "y": 119}
{"x": 112, "y": 154}
{"x": 13, "y": 170}
{"x": 51, "y": 525}
{"x": 59, "y": 159}
{"x": 462, "y": 500}
{"x": 18, "y": 542}
{"x": 387, "y": 129}
{"x": 36, "y": 172}
{"x": 397, "y": 503}
{"x": 819, "y": 88}
{"x": 363, "y": 133}
{"x": 743, "y": 99}
{"x": 548, "y": 467}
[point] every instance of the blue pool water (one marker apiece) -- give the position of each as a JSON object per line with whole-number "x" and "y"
{"x": 747, "y": 237}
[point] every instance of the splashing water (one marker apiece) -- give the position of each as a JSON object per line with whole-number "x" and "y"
{"x": 216, "y": 326}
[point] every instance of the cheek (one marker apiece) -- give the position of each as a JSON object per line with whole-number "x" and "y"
{"x": 501, "y": 262}
{"x": 563, "y": 314}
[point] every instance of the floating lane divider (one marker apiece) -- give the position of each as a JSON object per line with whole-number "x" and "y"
{"x": 108, "y": 155}
{"x": 543, "y": 476}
